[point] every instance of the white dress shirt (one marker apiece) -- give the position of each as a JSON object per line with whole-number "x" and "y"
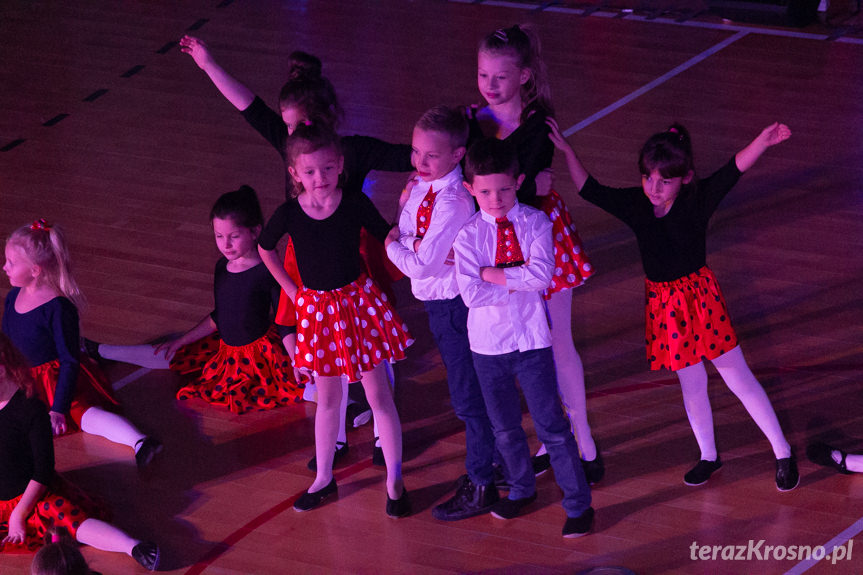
{"x": 431, "y": 277}
{"x": 503, "y": 319}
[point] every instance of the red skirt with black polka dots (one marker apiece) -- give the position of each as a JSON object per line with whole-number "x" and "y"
{"x": 348, "y": 330}
{"x": 63, "y": 505}
{"x": 92, "y": 389}
{"x": 252, "y": 377}
{"x": 571, "y": 264}
{"x": 687, "y": 321}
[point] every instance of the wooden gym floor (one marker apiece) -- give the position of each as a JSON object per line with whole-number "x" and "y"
{"x": 106, "y": 128}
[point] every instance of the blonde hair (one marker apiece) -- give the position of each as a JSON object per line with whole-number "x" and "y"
{"x": 45, "y": 246}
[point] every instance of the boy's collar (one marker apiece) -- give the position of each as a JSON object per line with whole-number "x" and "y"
{"x": 510, "y": 215}
{"x": 454, "y": 176}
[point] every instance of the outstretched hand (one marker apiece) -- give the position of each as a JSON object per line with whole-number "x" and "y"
{"x": 773, "y": 134}
{"x": 197, "y": 49}
{"x": 556, "y": 136}
{"x": 168, "y": 348}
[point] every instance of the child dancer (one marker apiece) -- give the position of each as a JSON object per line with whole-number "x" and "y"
{"x": 41, "y": 318}
{"x": 421, "y": 247}
{"x": 59, "y": 556}
{"x": 242, "y": 366}
{"x": 309, "y": 96}
{"x": 33, "y": 498}
{"x": 687, "y": 319}
{"x": 511, "y": 77}
{"x": 345, "y": 324}
{"x": 504, "y": 258}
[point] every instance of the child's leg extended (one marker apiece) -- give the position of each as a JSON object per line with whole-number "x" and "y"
{"x": 326, "y": 428}
{"x": 693, "y": 384}
{"x": 111, "y": 426}
{"x": 380, "y": 397}
{"x": 569, "y": 370}
{"x": 535, "y": 372}
{"x": 496, "y": 374}
{"x": 142, "y": 355}
{"x": 448, "y": 323}
{"x": 740, "y": 380}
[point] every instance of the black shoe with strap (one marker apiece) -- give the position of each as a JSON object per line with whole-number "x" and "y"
{"x": 822, "y": 454}
{"x": 147, "y": 554}
{"x": 787, "y": 476}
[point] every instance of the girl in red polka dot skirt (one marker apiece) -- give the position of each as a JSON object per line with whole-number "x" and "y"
{"x": 346, "y": 327}
{"x": 33, "y": 497}
{"x": 687, "y": 319}
{"x": 234, "y": 357}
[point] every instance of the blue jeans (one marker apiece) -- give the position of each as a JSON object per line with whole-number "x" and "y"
{"x": 534, "y": 370}
{"x": 448, "y": 324}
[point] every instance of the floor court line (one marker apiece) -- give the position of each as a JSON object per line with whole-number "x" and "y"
{"x": 620, "y": 15}
{"x": 651, "y": 85}
{"x": 840, "y": 539}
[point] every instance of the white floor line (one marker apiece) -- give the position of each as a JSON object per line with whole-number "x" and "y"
{"x": 647, "y": 87}
{"x": 731, "y": 27}
{"x": 840, "y": 539}
{"x": 132, "y": 377}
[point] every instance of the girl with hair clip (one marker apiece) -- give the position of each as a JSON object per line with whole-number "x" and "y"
{"x": 41, "y": 318}
{"x": 309, "y": 96}
{"x": 512, "y": 79}
{"x": 234, "y": 357}
{"x": 686, "y": 315}
{"x": 33, "y": 497}
{"x": 346, "y": 326}
{"x": 59, "y": 556}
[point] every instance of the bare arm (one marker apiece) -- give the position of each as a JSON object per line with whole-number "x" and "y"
{"x": 576, "y": 169}
{"x": 201, "y": 330}
{"x": 773, "y": 134}
{"x": 19, "y": 515}
{"x": 233, "y": 90}
{"x": 271, "y": 260}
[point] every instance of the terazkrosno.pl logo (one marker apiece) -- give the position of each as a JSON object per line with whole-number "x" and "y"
{"x": 760, "y": 551}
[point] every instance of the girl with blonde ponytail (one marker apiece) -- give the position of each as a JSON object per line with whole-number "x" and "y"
{"x": 41, "y": 318}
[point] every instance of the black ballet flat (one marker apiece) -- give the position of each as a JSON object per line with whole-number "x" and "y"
{"x": 401, "y": 507}
{"x": 150, "y": 448}
{"x": 821, "y": 453}
{"x": 309, "y": 501}
{"x": 147, "y": 554}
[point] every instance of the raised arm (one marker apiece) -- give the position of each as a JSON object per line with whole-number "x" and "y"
{"x": 773, "y": 134}
{"x": 233, "y": 90}
{"x": 576, "y": 170}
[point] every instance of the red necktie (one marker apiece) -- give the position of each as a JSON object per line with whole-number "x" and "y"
{"x": 424, "y": 212}
{"x": 508, "y": 253}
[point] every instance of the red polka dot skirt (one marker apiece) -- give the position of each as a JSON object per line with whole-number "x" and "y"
{"x": 571, "y": 264}
{"x": 92, "y": 389}
{"x": 348, "y": 330}
{"x": 687, "y": 321}
{"x": 252, "y": 377}
{"x": 63, "y": 505}
{"x": 376, "y": 264}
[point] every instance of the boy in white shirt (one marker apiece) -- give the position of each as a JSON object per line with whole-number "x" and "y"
{"x": 504, "y": 258}
{"x": 421, "y": 248}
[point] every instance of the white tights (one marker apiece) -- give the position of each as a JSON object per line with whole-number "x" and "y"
{"x": 327, "y": 417}
{"x": 104, "y": 536}
{"x": 111, "y": 426}
{"x": 740, "y": 380}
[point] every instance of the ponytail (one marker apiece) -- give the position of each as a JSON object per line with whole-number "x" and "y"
{"x": 45, "y": 245}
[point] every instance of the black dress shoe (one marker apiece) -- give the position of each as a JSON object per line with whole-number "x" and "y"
{"x": 150, "y": 447}
{"x": 309, "y": 501}
{"x": 342, "y": 449}
{"x": 822, "y": 454}
{"x": 594, "y": 470}
{"x": 147, "y": 554}
{"x": 470, "y": 500}
{"x": 511, "y": 508}
{"x": 401, "y": 507}
{"x": 578, "y": 526}
{"x": 540, "y": 463}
